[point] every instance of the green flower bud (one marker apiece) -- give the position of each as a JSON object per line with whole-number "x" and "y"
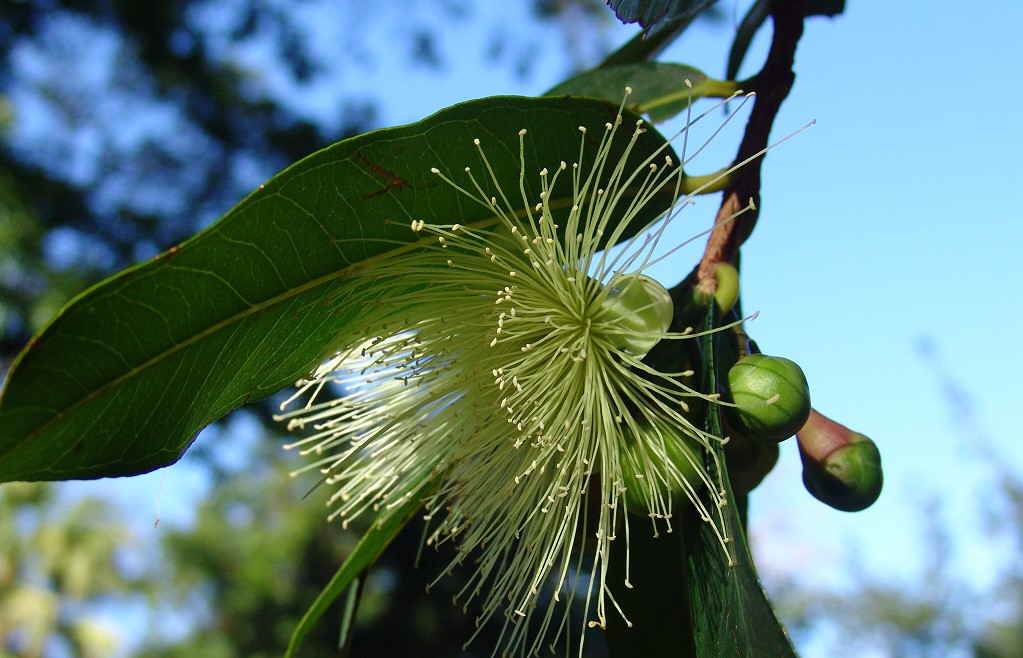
{"x": 727, "y": 292}
{"x": 723, "y": 296}
{"x": 642, "y": 310}
{"x": 655, "y": 464}
{"x": 772, "y": 397}
{"x": 841, "y": 468}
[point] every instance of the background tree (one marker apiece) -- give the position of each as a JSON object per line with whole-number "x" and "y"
{"x": 59, "y": 565}
{"x": 137, "y": 126}
{"x": 930, "y": 613}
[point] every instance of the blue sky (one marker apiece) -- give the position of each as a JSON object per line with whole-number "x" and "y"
{"x": 891, "y": 223}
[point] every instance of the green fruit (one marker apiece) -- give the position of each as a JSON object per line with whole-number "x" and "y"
{"x": 640, "y": 310}
{"x": 642, "y": 478}
{"x": 772, "y": 395}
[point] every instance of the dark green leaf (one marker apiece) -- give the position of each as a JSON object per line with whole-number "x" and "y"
{"x": 658, "y": 89}
{"x": 657, "y": 15}
{"x": 732, "y": 617}
{"x": 383, "y": 531}
{"x": 656, "y": 603}
{"x": 751, "y": 22}
{"x": 124, "y": 377}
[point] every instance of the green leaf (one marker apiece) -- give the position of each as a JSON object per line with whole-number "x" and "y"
{"x": 658, "y": 88}
{"x": 641, "y": 47}
{"x": 744, "y": 34}
{"x": 656, "y": 603}
{"x": 732, "y": 617}
{"x": 755, "y": 18}
{"x": 657, "y": 15}
{"x": 125, "y": 376}
{"x": 383, "y": 531}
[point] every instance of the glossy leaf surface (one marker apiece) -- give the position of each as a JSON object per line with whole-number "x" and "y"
{"x": 658, "y": 89}
{"x": 124, "y": 377}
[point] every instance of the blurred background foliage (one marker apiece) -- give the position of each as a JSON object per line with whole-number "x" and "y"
{"x": 127, "y": 126}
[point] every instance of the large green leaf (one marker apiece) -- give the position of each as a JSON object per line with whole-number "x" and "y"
{"x": 125, "y": 376}
{"x": 732, "y": 617}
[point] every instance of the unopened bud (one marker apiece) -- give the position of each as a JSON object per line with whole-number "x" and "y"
{"x": 841, "y": 468}
{"x": 771, "y": 397}
{"x": 656, "y": 463}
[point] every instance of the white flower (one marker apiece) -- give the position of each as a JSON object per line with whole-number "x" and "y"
{"x": 496, "y": 372}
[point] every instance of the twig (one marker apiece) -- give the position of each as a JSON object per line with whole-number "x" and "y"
{"x": 772, "y": 86}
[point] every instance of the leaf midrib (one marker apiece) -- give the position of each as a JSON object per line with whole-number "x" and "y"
{"x": 371, "y": 261}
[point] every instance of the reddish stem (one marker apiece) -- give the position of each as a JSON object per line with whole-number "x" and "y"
{"x": 821, "y": 436}
{"x": 772, "y": 86}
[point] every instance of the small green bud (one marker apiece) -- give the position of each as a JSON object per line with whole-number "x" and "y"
{"x": 727, "y": 292}
{"x": 723, "y": 296}
{"x": 841, "y": 468}
{"x": 772, "y": 395}
{"x": 642, "y": 309}
{"x": 645, "y": 471}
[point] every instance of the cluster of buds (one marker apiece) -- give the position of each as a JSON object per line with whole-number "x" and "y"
{"x": 764, "y": 401}
{"x": 767, "y": 400}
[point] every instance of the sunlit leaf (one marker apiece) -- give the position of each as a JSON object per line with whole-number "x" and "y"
{"x": 124, "y": 377}
{"x": 658, "y": 89}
